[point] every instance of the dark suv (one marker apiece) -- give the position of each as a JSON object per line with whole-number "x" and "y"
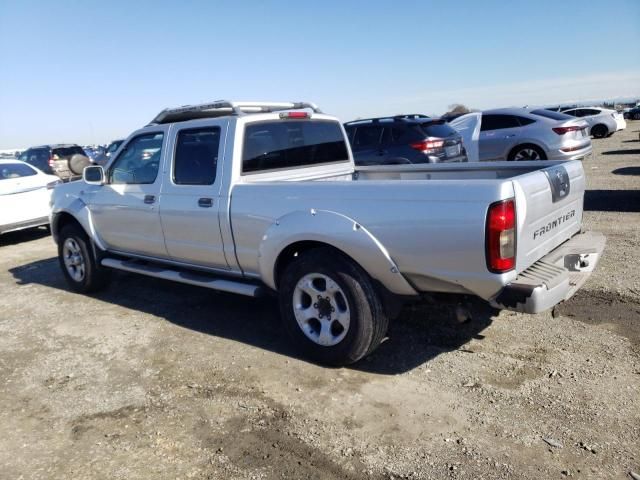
{"x": 64, "y": 160}
{"x": 404, "y": 139}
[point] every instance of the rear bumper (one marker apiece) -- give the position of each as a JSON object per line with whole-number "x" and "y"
{"x": 555, "y": 277}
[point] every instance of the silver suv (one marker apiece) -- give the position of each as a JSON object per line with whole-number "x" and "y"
{"x": 524, "y": 134}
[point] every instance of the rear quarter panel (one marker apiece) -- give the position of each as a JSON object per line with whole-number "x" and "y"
{"x": 433, "y": 230}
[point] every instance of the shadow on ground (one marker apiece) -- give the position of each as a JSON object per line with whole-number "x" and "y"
{"x": 612, "y": 200}
{"x": 627, "y": 171}
{"x": 633, "y": 151}
{"x": 420, "y": 334}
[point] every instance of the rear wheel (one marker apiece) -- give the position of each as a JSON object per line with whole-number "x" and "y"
{"x": 527, "y": 152}
{"x": 636, "y": 116}
{"x": 599, "y": 131}
{"x": 79, "y": 265}
{"x": 330, "y": 308}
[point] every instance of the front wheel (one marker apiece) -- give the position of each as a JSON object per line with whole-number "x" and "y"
{"x": 79, "y": 266}
{"x": 330, "y": 308}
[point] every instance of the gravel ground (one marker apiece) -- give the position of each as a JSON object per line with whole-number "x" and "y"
{"x": 153, "y": 380}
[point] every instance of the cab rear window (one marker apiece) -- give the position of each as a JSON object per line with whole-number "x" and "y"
{"x": 285, "y": 144}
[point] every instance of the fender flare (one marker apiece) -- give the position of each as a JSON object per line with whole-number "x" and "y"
{"x": 81, "y": 214}
{"x": 337, "y": 230}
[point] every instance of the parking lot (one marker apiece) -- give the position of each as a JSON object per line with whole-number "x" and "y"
{"x": 151, "y": 379}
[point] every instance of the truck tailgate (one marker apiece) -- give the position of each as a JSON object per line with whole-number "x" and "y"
{"x": 548, "y": 209}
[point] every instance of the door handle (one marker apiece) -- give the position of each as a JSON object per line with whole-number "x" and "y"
{"x": 149, "y": 199}
{"x": 205, "y": 202}
{"x": 510, "y": 136}
{"x": 382, "y": 152}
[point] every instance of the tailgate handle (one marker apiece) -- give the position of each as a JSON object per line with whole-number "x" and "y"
{"x": 559, "y": 182}
{"x": 205, "y": 202}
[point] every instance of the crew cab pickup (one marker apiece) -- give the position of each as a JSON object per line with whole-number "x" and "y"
{"x": 253, "y": 198}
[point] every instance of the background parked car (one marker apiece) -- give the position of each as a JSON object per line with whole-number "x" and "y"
{"x": 93, "y": 152}
{"x": 27, "y": 187}
{"x": 524, "y": 134}
{"x": 602, "y": 122}
{"x": 404, "y": 139}
{"x": 108, "y": 153}
{"x": 64, "y": 160}
{"x": 632, "y": 113}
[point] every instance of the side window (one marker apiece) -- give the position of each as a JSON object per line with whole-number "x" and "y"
{"x": 591, "y": 111}
{"x": 498, "y": 122}
{"x": 196, "y": 157}
{"x": 139, "y": 162}
{"x": 573, "y": 113}
{"x": 367, "y": 136}
{"x": 392, "y": 135}
{"x": 525, "y": 121}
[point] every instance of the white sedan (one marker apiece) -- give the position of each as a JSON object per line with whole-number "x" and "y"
{"x": 25, "y": 193}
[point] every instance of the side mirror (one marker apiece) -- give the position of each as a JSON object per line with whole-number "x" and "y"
{"x": 93, "y": 175}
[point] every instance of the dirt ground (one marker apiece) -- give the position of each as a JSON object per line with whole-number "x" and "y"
{"x": 153, "y": 380}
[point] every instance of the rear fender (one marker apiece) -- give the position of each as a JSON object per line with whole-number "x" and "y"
{"x": 337, "y": 230}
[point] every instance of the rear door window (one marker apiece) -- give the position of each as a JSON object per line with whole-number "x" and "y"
{"x": 39, "y": 158}
{"x": 196, "y": 157}
{"x": 368, "y": 136}
{"x": 288, "y": 144}
{"x": 524, "y": 121}
{"x": 498, "y": 122}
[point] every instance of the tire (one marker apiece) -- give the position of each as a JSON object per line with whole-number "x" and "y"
{"x": 77, "y": 163}
{"x": 636, "y": 116}
{"x": 599, "y": 131}
{"x": 359, "y": 322}
{"x": 78, "y": 263}
{"x": 527, "y": 152}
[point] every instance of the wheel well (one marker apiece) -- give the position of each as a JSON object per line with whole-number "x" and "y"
{"x": 512, "y": 152}
{"x": 294, "y": 250}
{"x": 60, "y": 221}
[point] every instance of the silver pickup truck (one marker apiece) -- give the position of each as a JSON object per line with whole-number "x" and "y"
{"x": 253, "y": 198}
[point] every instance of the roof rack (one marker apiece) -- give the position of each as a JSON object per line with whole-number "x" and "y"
{"x": 411, "y": 116}
{"x": 223, "y": 108}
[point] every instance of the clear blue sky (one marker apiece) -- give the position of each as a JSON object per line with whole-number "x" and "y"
{"x": 90, "y": 71}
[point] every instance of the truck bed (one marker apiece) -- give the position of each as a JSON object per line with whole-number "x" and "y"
{"x": 433, "y": 225}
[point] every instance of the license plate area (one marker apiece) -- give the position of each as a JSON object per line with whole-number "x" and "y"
{"x": 452, "y": 150}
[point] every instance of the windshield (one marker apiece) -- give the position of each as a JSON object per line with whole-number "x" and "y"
{"x": 15, "y": 170}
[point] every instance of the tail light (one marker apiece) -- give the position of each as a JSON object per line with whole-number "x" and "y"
{"x": 52, "y": 185}
{"x": 50, "y": 162}
{"x": 501, "y": 236}
{"x": 563, "y": 130}
{"x": 428, "y": 146}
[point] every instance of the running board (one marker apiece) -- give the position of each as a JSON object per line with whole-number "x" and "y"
{"x": 191, "y": 278}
